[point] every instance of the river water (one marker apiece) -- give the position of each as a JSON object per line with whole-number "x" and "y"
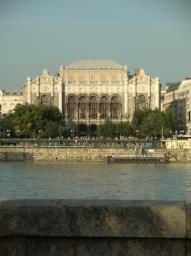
{"x": 95, "y": 181}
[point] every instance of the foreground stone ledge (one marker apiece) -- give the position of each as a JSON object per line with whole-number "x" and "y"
{"x": 88, "y": 218}
{"x": 92, "y": 247}
{"x": 188, "y": 222}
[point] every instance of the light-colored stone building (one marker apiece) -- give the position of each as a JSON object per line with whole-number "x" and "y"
{"x": 44, "y": 89}
{"x": 143, "y": 92}
{"x": 9, "y": 100}
{"x": 178, "y": 98}
{"x": 92, "y": 91}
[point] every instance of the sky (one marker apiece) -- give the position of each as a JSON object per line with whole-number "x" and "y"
{"x": 38, "y": 34}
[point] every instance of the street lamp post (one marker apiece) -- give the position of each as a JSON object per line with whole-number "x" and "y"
{"x": 162, "y": 133}
{"x": 72, "y": 133}
{"x": 8, "y": 133}
{"x": 39, "y": 132}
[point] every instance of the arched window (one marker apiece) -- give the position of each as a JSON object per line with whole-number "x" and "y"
{"x": 141, "y": 102}
{"x": 82, "y": 107}
{"x": 45, "y": 100}
{"x": 115, "y": 108}
{"x": 93, "y": 108}
{"x": 104, "y": 107}
{"x": 71, "y": 107}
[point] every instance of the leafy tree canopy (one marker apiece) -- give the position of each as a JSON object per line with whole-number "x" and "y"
{"x": 109, "y": 129}
{"x": 33, "y": 121}
{"x": 150, "y": 122}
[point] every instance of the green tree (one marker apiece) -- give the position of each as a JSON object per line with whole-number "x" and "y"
{"x": 70, "y": 129}
{"x": 138, "y": 118}
{"x": 124, "y": 129}
{"x": 33, "y": 121}
{"x": 150, "y": 122}
{"x": 169, "y": 122}
{"x": 106, "y": 130}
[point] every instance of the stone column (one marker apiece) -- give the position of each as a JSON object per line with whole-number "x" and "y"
{"x": 135, "y": 91}
{"x": 66, "y": 77}
{"x": 29, "y": 84}
{"x": 125, "y": 96}
{"x": 98, "y": 114}
{"x": 109, "y": 76}
{"x": 76, "y": 111}
{"x": 157, "y": 79}
{"x": 88, "y": 77}
{"x": 66, "y": 111}
{"x": 60, "y": 91}
{"x": 87, "y": 110}
{"x": 98, "y": 76}
{"x": 120, "y": 77}
{"x": 149, "y": 93}
{"x": 77, "y": 78}
{"x": 52, "y": 87}
{"x": 134, "y": 87}
{"x": 109, "y": 110}
{"x": 38, "y": 87}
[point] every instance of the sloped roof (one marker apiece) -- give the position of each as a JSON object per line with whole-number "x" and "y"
{"x": 172, "y": 86}
{"x": 94, "y": 64}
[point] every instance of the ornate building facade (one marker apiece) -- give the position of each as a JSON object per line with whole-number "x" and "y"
{"x": 92, "y": 91}
{"x": 178, "y": 98}
{"x": 44, "y": 89}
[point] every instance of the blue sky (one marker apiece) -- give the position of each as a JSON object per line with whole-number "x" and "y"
{"x": 153, "y": 34}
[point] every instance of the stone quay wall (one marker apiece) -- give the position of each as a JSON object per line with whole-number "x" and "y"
{"x": 53, "y": 154}
{"x": 94, "y": 228}
{"x": 60, "y": 154}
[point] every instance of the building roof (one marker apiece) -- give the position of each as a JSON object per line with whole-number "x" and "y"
{"x": 94, "y": 64}
{"x": 172, "y": 86}
{"x": 11, "y": 93}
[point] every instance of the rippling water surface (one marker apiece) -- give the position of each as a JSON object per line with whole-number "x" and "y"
{"x": 95, "y": 180}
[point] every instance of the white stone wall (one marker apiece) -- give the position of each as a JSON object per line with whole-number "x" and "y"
{"x": 44, "y": 85}
{"x": 9, "y": 102}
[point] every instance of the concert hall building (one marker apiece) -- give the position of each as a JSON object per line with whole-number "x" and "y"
{"x": 92, "y": 91}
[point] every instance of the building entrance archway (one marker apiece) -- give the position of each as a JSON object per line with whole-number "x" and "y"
{"x": 141, "y": 102}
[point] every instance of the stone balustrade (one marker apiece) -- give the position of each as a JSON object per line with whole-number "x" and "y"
{"x": 94, "y": 228}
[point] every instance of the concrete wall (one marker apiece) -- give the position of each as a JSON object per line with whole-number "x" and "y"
{"x": 94, "y": 228}
{"x": 179, "y": 155}
{"x": 58, "y": 154}
{"x": 79, "y": 154}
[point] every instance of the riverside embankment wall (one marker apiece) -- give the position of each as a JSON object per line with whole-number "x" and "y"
{"x": 59, "y": 154}
{"x": 94, "y": 228}
{"x": 54, "y": 154}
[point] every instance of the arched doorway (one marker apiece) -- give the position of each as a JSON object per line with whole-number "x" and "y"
{"x": 93, "y": 129}
{"x": 141, "y": 102}
{"x": 104, "y": 107}
{"x": 93, "y": 108}
{"x": 115, "y": 107}
{"x": 83, "y": 130}
{"x": 71, "y": 107}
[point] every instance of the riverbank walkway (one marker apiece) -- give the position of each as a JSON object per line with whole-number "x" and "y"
{"x": 82, "y": 142}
